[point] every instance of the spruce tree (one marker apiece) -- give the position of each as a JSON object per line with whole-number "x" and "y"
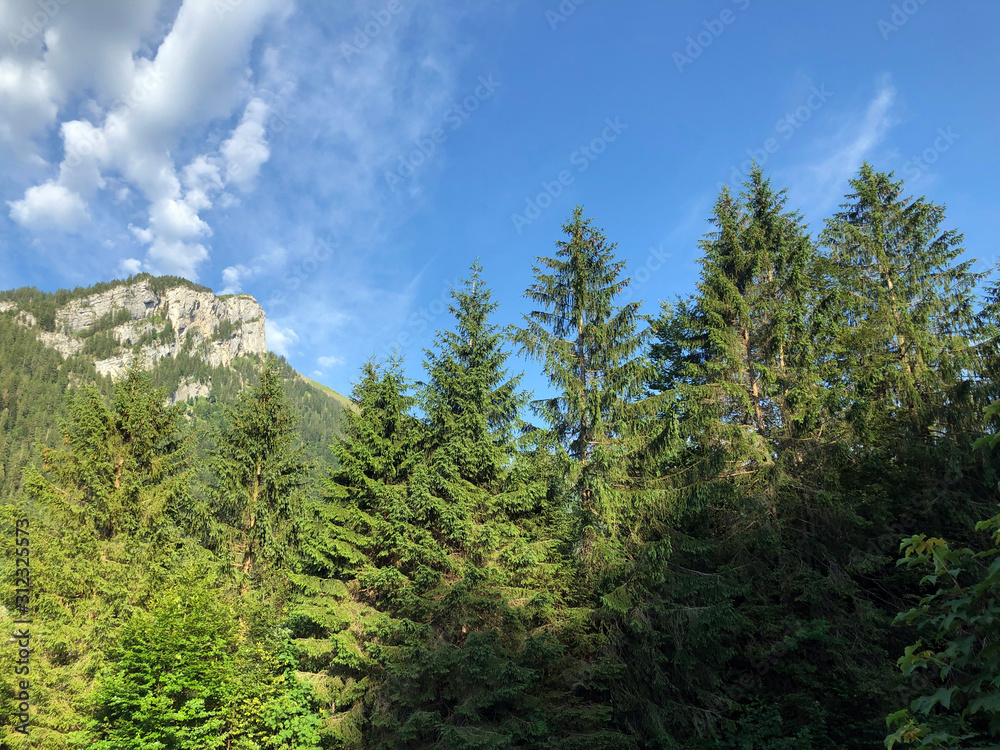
{"x": 751, "y": 399}
{"x": 904, "y": 308}
{"x": 472, "y": 404}
{"x": 99, "y": 510}
{"x": 590, "y": 349}
{"x": 498, "y": 674}
{"x": 258, "y": 478}
{"x": 357, "y": 552}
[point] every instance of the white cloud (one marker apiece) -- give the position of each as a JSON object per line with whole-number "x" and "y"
{"x": 49, "y": 206}
{"x": 247, "y": 149}
{"x": 820, "y": 184}
{"x": 233, "y": 278}
{"x": 202, "y": 178}
{"x": 870, "y": 132}
{"x": 129, "y": 266}
{"x": 27, "y": 103}
{"x": 176, "y": 219}
{"x": 175, "y": 258}
{"x": 144, "y": 97}
{"x": 330, "y": 361}
{"x": 279, "y": 339}
{"x": 143, "y": 235}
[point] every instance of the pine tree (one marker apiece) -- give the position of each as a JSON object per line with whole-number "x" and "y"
{"x": 258, "y": 479}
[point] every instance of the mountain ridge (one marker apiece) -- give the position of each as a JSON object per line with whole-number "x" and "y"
{"x": 201, "y": 348}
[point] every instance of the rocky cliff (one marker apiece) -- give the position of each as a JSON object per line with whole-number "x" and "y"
{"x": 137, "y": 320}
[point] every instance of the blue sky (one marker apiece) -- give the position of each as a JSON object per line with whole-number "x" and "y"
{"x": 345, "y": 162}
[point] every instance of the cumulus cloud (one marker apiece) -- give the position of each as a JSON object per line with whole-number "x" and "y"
{"x": 146, "y": 95}
{"x": 278, "y": 338}
{"x": 129, "y": 266}
{"x": 246, "y": 150}
{"x": 175, "y": 258}
{"x": 28, "y": 94}
{"x": 233, "y": 278}
{"x": 49, "y": 206}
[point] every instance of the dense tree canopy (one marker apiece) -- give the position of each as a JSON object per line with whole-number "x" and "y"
{"x": 696, "y": 548}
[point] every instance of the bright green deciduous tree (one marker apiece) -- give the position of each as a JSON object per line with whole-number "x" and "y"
{"x": 958, "y": 648}
{"x": 181, "y": 677}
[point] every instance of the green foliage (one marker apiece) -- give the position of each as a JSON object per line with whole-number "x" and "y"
{"x": 182, "y": 677}
{"x": 101, "y": 542}
{"x": 696, "y": 553}
{"x": 226, "y": 329}
{"x": 258, "y": 478}
{"x": 959, "y": 706}
{"x": 171, "y": 676}
{"x": 590, "y": 349}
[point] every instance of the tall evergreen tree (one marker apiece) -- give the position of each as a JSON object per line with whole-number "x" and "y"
{"x": 904, "y": 312}
{"x": 102, "y": 541}
{"x": 472, "y": 403}
{"x": 590, "y": 349}
{"x": 259, "y": 474}
{"x": 358, "y": 552}
{"x": 752, "y": 399}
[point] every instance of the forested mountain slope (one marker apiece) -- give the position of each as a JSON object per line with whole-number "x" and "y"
{"x": 201, "y": 348}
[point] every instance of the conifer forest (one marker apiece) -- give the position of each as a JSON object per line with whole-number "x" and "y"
{"x": 764, "y": 518}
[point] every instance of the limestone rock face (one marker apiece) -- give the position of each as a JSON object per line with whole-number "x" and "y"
{"x": 160, "y": 324}
{"x": 189, "y": 388}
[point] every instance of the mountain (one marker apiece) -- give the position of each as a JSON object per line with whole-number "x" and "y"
{"x": 202, "y": 348}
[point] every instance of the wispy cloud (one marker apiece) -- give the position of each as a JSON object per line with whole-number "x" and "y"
{"x": 818, "y": 184}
